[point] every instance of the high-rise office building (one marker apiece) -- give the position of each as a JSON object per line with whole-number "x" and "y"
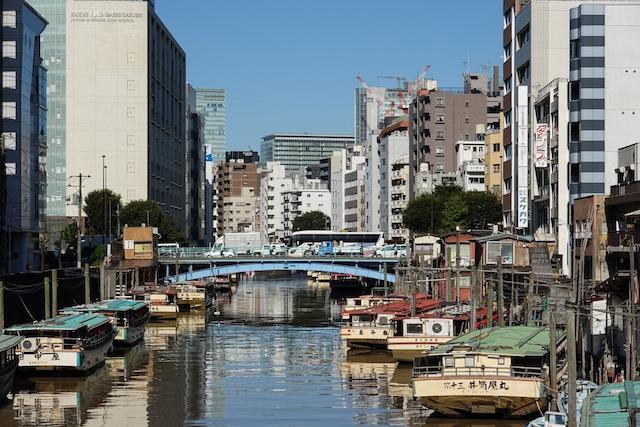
{"x": 117, "y": 79}
{"x": 296, "y": 151}
{"x": 212, "y": 104}
{"x": 195, "y": 181}
{"x": 23, "y": 143}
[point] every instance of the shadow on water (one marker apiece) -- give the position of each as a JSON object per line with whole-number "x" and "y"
{"x": 273, "y": 356}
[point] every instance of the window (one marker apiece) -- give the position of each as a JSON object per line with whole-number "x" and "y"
{"x": 131, "y": 167}
{"x": 466, "y": 120}
{"x": 523, "y": 73}
{"x": 523, "y": 37}
{"x": 414, "y": 328}
{"x": 131, "y": 85}
{"x": 574, "y": 49}
{"x": 507, "y": 118}
{"x": 9, "y": 79}
{"x": 439, "y": 167}
{"x": 499, "y": 249}
{"x": 439, "y": 102}
{"x": 9, "y": 49}
{"x": 9, "y": 18}
{"x": 507, "y": 51}
{"x": 496, "y": 168}
{"x": 9, "y": 110}
{"x": 469, "y": 361}
{"x": 439, "y": 118}
{"x": 466, "y": 105}
{"x": 439, "y": 151}
{"x": 448, "y": 362}
{"x": 507, "y": 19}
{"x": 142, "y": 247}
{"x": 9, "y": 139}
{"x": 439, "y": 134}
{"x": 496, "y": 148}
{"x": 507, "y": 85}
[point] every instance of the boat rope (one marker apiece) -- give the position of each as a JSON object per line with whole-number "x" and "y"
{"x": 27, "y": 309}
{"x": 539, "y": 410}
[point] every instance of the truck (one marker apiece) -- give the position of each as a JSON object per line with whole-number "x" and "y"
{"x": 244, "y": 243}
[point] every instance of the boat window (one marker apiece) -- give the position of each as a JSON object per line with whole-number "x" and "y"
{"x": 414, "y": 328}
{"x": 500, "y": 360}
{"x": 469, "y": 361}
{"x": 448, "y": 362}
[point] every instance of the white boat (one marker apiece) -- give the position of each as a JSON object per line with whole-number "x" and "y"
{"x": 77, "y": 342}
{"x": 195, "y": 295}
{"x": 130, "y": 317}
{"x": 365, "y": 301}
{"x": 550, "y": 419}
{"x": 415, "y": 335}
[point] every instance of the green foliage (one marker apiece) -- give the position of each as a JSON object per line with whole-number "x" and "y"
{"x": 70, "y": 237}
{"x": 314, "y": 220}
{"x": 452, "y": 207}
{"x": 95, "y": 205}
{"x": 135, "y": 212}
{"x": 97, "y": 255}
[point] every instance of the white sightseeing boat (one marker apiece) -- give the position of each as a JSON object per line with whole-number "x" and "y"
{"x": 77, "y": 342}
{"x": 130, "y": 317}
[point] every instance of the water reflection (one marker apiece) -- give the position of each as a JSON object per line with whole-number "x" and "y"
{"x": 271, "y": 356}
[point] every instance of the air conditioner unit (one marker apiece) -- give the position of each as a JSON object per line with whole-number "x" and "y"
{"x": 439, "y": 327}
{"x": 29, "y": 345}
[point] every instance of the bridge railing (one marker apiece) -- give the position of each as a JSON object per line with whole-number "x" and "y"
{"x": 206, "y": 252}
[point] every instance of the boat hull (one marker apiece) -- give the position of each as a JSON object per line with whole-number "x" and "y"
{"x": 6, "y": 378}
{"x": 129, "y": 335}
{"x": 405, "y": 349}
{"x": 365, "y": 336}
{"x": 164, "y": 311}
{"x": 78, "y": 361}
{"x": 481, "y": 395}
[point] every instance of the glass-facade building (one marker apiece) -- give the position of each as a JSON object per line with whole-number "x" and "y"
{"x": 212, "y": 104}
{"x": 54, "y": 54}
{"x": 297, "y": 151}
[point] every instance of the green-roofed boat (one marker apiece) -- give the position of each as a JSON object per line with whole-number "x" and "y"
{"x": 497, "y": 371}
{"x": 8, "y": 363}
{"x": 77, "y": 342}
{"x": 130, "y": 317}
{"x": 612, "y": 405}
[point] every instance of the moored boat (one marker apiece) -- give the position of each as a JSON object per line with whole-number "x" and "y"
{"x": 497, "y": 371}
{"x": 198, "y": 294}
{"x": 371, "y": 327}
{"x": 162, "y": 301}
{"x": 130, "y": 317}
{"x": 342, "y": 281}
{"x": 366, "y": 301}
{"x": 222, "y": 283}
{"x": 76, "y": 342}
{"x": 415, "y": 335}
{"x": 8, "y": 363}
{"x": 615, "y": 404}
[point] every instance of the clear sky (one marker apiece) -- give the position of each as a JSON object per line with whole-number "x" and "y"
{"x": 291, "y": 65}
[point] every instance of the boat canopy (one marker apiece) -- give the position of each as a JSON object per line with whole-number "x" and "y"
{"x": 8, "y": 341}
{"x": 519, "y": 341}
{"x": 616, "y": 404}
{"x": 113, "y": 305}
{"x": 63, "y": 322}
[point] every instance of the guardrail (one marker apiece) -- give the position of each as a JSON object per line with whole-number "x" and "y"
{"x": 513, "y": 371}
{"x": 195, "y": 252}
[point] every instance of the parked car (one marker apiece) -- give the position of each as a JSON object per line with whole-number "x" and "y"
{"x": 220, "y": 253}
{"x": 391, "y": 251}
{"x": 305, "y": 249}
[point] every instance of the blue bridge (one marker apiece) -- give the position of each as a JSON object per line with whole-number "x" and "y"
{"x": 201, "y": 266}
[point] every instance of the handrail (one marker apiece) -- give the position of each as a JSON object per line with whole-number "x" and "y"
{"x": 513, "y": 371}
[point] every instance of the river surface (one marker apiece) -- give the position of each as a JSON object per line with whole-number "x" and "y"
{"x": 272, "y": 356}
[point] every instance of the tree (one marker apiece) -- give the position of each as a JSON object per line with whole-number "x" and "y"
{"x": 314, "y": 220}
{"x": 148, "y": 212}
{"x": 70, "y": 236}
{"x": 94, "y": 204}
{"x": 451, "y": 207}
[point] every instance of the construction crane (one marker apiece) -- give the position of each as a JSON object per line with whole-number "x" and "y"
{"x": 415, "y": 86}
{"x": 400, "y": 81}
{"x": 376, "y": 93}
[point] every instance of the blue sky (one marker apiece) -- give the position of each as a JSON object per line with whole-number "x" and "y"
{"x": 291, "y": 65}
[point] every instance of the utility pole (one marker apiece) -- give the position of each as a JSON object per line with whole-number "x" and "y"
{"x": 457, "y": 264}
{"x": 80, "y": 230}
{"x": 632, "y": 300}
{"x": 472, "y": 299}
{"x": 104, "y": 202}
{"x": 500, "y": 305}
{"x": 572, "y": 368}
{"x": 553, "y": 359}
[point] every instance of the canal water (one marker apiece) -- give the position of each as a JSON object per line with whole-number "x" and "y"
{"x": 271, "y": 356}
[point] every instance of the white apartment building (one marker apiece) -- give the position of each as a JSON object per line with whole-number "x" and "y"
{"x": 307, "y": 195}
{"x": 273, "y": 187}
{"x": 470, "y": 160}
{"x": 344, "y": 162}
{"x": 393, "y": 154}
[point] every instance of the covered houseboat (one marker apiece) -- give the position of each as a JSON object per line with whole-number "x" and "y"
{"x": 8, "y": 362}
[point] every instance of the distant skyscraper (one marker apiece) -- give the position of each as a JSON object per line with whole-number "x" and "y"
{"x": 296, "y": 151}
{"x": 116, "y": 90}
{"x": 212, "y": 104}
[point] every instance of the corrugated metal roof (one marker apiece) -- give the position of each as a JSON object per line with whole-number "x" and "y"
{"x": 511, "y": 340}
{"x": 107, "y": 305}
{"x": 8, "y": 341}
{"x": 63, "y": 322}
{"x": 612, "y": 405}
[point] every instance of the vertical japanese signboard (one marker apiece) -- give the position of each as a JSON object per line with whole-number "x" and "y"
{"x": 523, "y": 156}
{"x": 541, "y": 141}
